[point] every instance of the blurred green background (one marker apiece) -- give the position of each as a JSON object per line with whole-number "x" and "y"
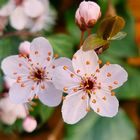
{"x": 65, "y": 38}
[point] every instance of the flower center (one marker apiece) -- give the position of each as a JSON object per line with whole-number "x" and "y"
{"x": 88, "y": 84}
{"x": 37, "y": 75}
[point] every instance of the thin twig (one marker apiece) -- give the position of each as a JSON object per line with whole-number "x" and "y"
{"x": 82, "y": 38}
{"x": 20, "y": 33}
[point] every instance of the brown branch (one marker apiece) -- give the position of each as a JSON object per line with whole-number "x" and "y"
{"x": 22, "y": 33}
{"x": 57, "y": 131}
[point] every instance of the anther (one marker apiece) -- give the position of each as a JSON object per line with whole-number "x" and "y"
{"x": 65, "y": 89}
{"x": 65, "y": 67}
{"x": 108, "y": 74}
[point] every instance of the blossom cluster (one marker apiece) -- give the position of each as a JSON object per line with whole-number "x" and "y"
{"x": 87, "y": 84}
{"x": 34, "y": 15}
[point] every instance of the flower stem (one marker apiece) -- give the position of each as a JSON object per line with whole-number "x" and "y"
{"x": 82, "y": 38}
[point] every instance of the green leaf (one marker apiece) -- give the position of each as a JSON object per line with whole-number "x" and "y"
{"x": 71, "y": 26}
{"x": 62, "y": 44}
{"x": 3, "y": 2}
{"x": 110, "y": 26}
{"x": 93, "y": 42}
{"x": 45, "y": 112}
{"x": 94, "y": 127}
{"x": 119, "y": 36}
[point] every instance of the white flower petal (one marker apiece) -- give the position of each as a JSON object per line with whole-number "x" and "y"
{"x": 104, "y": 104}
{"x": 8, "y": 82}
{"x": 21, "y": 94}
{"x": 50, "y": 95}
{"x": 7, "y": 9}
{"x": 64, "y": 79}
{"x": 20, "y": 111}
{"x": 85, "y": 62}
{"x": 41, "y": 51}
{"x": 39, "y": 24}
{"x": 8, "y": 118}
{"x": 74, "y": 108}
{"x": 112, "y": 75}
{"x": 18, "y": 18}
{"x": 11, "y": 111}
{"x": 62, "y": 61}
{"x": 33, "y": 8}
{"x": 14, "y": 66}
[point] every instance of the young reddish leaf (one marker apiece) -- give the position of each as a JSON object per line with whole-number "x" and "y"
{"x": 110, "y": 26}
{"x": 93, "y": 42}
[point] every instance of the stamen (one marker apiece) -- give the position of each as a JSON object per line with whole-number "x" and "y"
{"x": 115, "y": 82}
{"x": 15, "y": 73}
{"x": 49, "y": 53}
{"x": 36, "y": 52}
{"x": 98, "y": 110}
{"x": 48, "y": 58}
{"x": 110, "y": 87}
{"x": 88, "y": 109}
{"x": 94, "y": 101}
{"x": 99, "y": 62}
{"x": 87, "y": 62}
{"x": 53, "y": 66}
{"x": 65, "y": 67}
{"x": 83, "y": 97}
{"x": 19, "y": 64}
{"x": 22, "y": 85}
{"x": 56, "y": 56}
{"x": 75, "y": 89}
{"x": 97, "y": 70}
{"x": 43, "y": 87}
{"x": 104, "y": 98}
{"x": 112, "y": 93}
{"x": 71, "y": 75}
{"x": 78, "y": 71}
{"x": 108, "y": 74}
{"x": 32, "y": 88}
{"x": 107, "y": 63}
{"x": 65, "y": 89}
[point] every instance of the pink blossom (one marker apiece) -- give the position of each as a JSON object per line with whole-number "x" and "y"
{"x": 24, "y": 48}
{"x": 33, "y": 74}
{"x": 88, "y": 86}
{"x": 87, "y": 14}
{"x": 29, "y": 124}
{"x": 34, "y": 15}
{"x": 10, "y": 112}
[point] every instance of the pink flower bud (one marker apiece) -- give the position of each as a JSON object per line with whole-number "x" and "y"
{"x": 29, "y": 124}
{"x": 24, "y": 47}
{"x": 87, "y": 14}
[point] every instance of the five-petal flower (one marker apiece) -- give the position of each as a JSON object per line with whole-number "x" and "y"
{"x": 88, "y": 86}
{"x": 33, "y": 74}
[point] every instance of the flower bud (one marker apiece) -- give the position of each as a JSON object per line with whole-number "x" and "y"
{"x": 87, "y": 14}
{"x": 29, "y": 124}
{"x": 24, "y": 48}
